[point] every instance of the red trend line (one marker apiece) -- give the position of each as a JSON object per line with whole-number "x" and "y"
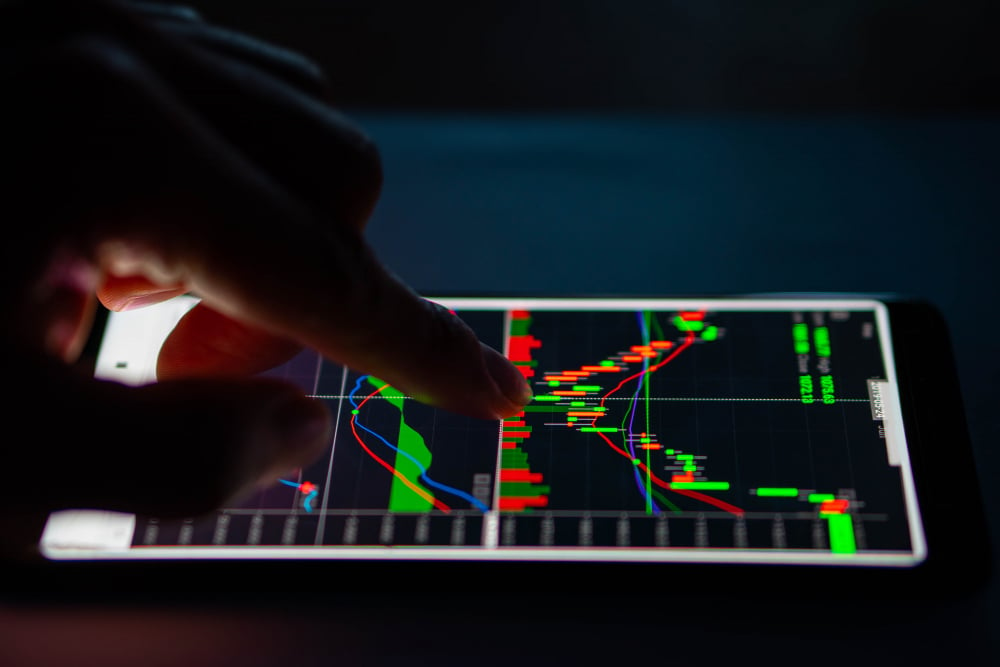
{"x": 688, "y": 340}
{"x": 416, "y": 489}
{"x": 721, "y": 504}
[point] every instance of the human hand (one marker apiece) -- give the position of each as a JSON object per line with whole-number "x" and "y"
{"x": 157, "y": 155}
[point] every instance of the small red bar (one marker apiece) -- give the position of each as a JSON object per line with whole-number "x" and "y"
{"x": 520, "y": 475}
{"x": 686, "y": 477}
{"x": 568, "y": 392}
{"x": 661, "y": 344}
{"x": 519, "y": 314}
{"x": 519, "y": 503}
{"x": 693, "y": 315}
{"x": 834, "y": 506}
{"x": 631, "y": 357}
{"x": 601, "y": 369}
{"x": 577, "y": 373}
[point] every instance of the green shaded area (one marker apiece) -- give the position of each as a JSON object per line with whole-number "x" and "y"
{"x": 821, "y": 338}
{"x": 710, "y": 333}
{"x": 607, "y": 362}
{"x": 401, "y": 497}
{"x": 820, "y": 497}
{"x": 777, "y": 492}
{"x": 841, "y": 533}
{"x": 701, "y": 486}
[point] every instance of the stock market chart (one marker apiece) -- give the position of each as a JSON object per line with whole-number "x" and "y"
{"x": 691, "y": 432}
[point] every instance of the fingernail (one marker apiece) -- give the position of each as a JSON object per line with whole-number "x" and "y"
{"x": 508, "y": 378}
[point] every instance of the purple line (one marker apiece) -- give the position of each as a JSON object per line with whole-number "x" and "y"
{"x": 629, "y": 436}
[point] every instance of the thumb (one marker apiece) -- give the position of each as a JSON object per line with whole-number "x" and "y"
{"x": 179, "y": 448}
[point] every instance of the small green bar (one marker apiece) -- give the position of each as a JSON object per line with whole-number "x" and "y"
{"x": 599, "y": 429}
{"x": 820, "y": 497}
{"x": 702, "y": 486}
{"x": 777, "y": 492}
{"x": 546, "y": 397}
{"x": 587, "y": 387}
{"x": 688, "y": 325}
{"x": 842, "y": 534}
{"x": 523, "y": 489}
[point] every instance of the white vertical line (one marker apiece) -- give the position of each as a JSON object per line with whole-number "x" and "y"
{"x": 333, "y": 446}
{"x": 491, "y": 521}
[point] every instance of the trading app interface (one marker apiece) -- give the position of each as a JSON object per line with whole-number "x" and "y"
{"x": 680, "y": 430}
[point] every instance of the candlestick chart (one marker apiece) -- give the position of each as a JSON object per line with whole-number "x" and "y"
{"x": 689, "y": 430}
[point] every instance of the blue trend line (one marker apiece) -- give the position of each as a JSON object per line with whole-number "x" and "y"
{"x": 478, "y": 504}
{"x": 307, "y": 501}
{"x": 635, "y": 399}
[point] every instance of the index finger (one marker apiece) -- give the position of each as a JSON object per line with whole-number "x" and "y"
{"x": 216, "y": 223}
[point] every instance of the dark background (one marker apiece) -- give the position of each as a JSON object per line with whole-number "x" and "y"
{"x": 642, "y": 147}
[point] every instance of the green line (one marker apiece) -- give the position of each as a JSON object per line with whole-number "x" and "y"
{"x": 703, "y": 486}
{"x": 402, "y": 498}
{"x": 662, "y": 499}
{"x": 777, "y": 492}
{"x": 841, "y": 533}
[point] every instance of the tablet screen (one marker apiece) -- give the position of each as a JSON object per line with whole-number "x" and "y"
{"x": 689, "y": 430}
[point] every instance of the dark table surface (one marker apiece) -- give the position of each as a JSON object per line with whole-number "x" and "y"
{"x": 694, "y": 205}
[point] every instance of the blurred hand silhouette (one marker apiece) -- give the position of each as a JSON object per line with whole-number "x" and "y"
{"x": 153, "y": 154}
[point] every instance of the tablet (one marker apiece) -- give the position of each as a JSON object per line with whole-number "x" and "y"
{"x": 816, "y": 431}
